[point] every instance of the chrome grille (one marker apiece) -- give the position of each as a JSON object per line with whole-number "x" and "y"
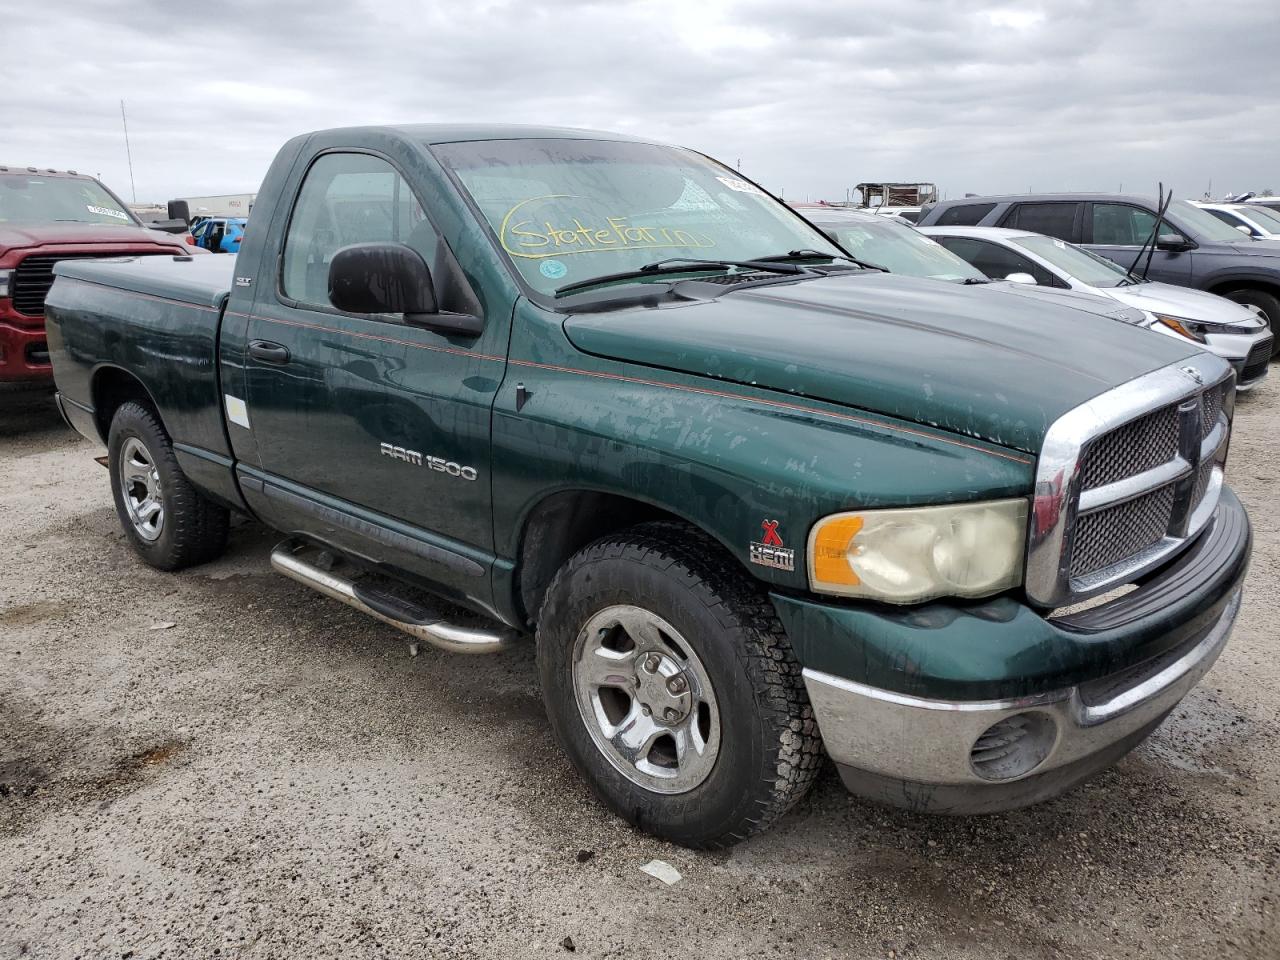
{"x": 1136, "y": 447}
{"x": 1128, "y": 479}
{"x": 1211, "y": 408}
{"x": 1107, "y": 536}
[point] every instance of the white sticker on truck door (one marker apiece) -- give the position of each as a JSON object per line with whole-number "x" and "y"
{"x": 237, "y": 411}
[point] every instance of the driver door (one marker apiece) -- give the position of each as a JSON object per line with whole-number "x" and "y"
{"x": 371, "y": 433}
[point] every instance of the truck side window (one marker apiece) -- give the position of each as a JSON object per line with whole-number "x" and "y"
{"x": 964, "y": 214}
{"x": 1121, "y": 225}
{"x": 1052, "y": 219}
{"x": 348, "y": 198}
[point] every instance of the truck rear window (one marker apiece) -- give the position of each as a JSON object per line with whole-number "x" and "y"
{"x": 31, "y": 198}
{"x": 567, "y": 210}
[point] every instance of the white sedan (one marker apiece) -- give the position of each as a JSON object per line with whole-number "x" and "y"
{"x": 1252, "y": 219}
{"x": 1232, "y": 331}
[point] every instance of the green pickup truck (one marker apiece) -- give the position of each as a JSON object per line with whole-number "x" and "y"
{"x": 756, "y": 501}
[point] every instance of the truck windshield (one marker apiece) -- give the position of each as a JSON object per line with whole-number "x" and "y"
{"x": 569, "y": 210}
{"x": 31, "y": 198}
{"x": 900, "y": 249}
{"x": 1081, "y": 264}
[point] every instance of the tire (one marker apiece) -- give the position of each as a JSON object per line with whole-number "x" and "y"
{"x": 751, "y": 745}
{"x": 1268, "y": 303}
{"x": 188, "y": 528}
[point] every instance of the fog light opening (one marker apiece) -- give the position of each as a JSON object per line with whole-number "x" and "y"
{"x": 1013, "y": 747}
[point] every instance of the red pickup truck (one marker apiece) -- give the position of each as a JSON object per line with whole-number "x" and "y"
{"x": 46, "y": 216}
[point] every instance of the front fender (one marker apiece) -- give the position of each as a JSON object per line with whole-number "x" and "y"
{"x": 725, "y": 457}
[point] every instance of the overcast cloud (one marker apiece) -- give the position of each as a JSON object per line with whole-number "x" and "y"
{"x": 812, "y": 95}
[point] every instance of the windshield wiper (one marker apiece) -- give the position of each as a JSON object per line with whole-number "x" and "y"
{"x": 970, "y": 281}
{"x": 807, "y": 254}
{"x": 1149, "y": 245}
{"x": 678, "y": 265}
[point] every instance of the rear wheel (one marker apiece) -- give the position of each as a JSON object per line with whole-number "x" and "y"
{"x": 1267, "y": 303}
{"x": 169, "y": 522}
{"x": 672, "y": 687}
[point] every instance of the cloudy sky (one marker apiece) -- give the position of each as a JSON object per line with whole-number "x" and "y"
{"x": 811, "y": 95}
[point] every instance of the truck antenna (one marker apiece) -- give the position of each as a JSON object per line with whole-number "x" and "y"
{"x": 127, "y": 152}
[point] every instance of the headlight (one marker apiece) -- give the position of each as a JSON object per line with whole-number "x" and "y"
{"x": 1184, "y": 327}
{"x": 918, "y": 553}
{"x": 4, "y": 282}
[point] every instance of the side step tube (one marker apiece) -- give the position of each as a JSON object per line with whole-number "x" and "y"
{"x": 440, "y": 634}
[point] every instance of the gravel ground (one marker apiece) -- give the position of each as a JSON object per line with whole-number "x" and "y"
{"x": 275, "y": 776}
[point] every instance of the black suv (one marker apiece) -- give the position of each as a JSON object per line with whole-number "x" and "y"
{"x": 1194, "y": 248}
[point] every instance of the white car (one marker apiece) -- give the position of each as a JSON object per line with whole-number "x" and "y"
{"x": 1232, "y": 331}
{"x": 905, "y": 214}
{"x": 1249, "y": 218}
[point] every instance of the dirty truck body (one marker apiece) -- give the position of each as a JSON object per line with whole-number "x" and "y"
{"x": 750, "y": 511}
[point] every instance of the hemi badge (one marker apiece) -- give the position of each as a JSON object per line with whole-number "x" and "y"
{"x": 244, "y": 281}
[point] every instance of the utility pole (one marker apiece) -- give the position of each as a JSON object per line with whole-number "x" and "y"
{"x": 127, "y": 152}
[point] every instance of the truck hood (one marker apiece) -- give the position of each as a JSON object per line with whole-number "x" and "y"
{"x": 970, "y": 360}
{"x": 15, "y": 235}
{"x": 1186, "y": 303}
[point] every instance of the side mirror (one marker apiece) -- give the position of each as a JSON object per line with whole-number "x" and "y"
{"x": 1172, "y": 242}
{"x": 1243, "y": 229}
{"x": 392, "y": 278}
{"x": 1021, "y": 278}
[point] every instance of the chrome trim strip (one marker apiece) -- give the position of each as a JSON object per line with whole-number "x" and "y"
{"x": 1056, "y": 498}
{"x": 1214, "y": 441}
{"x": 1207, "y": 649}
{"x": 446, "y": 636}
{"x": 1133, "y": 487}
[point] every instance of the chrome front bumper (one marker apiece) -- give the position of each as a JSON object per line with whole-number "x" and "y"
{"x": 920, "y": 753}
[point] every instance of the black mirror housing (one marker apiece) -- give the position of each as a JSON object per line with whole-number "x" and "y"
{"x": 381, "y": 278}
{"x": 1172, "y": 241}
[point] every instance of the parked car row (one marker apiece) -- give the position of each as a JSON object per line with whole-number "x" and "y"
{"x": 1193, "y": 248}
{"x": 1060, "y": 272}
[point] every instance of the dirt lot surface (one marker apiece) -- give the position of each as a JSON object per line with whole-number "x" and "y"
{"x": 221, "y": 763}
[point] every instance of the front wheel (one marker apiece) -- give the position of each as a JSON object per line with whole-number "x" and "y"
{"x": 672, "y": 687}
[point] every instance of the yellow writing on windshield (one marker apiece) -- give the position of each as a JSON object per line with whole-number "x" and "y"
{"x": 542, "y": 227}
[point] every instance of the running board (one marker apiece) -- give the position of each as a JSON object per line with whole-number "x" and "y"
{"x": 381, "y": 603}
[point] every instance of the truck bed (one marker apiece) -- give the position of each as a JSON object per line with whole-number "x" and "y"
{"x": 152, "y": 322}
{"x": 204, "y": 281}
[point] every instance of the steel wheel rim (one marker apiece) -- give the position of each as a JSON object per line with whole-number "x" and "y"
{"x": 646, "y": 699}
{"x": 140, "y": 486}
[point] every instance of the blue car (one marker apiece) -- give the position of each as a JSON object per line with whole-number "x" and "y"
{"x": 219, "y": 234}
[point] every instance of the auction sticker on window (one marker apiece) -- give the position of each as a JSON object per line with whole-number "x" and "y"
{"x": 742, "y": 186}
{"x": 106, "y": 211}
{"x": 552, "y": 269}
